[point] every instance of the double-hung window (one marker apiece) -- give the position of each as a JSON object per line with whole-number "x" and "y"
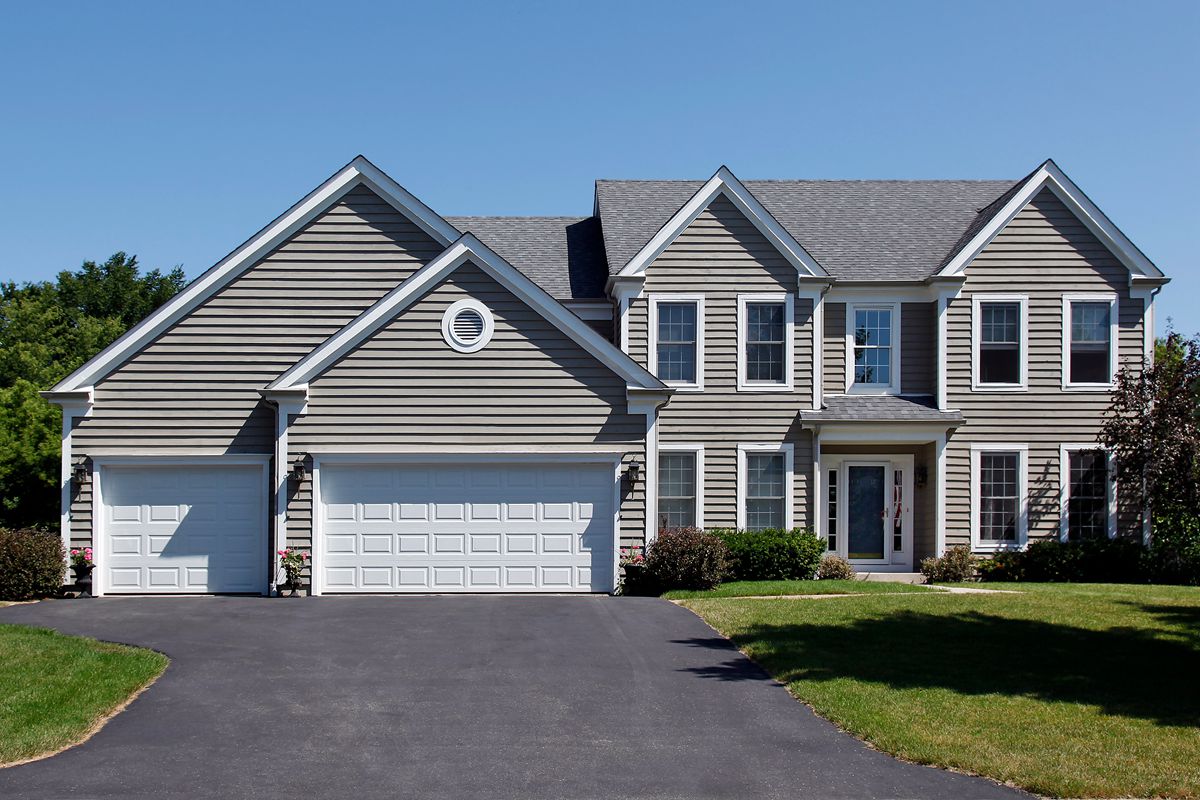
{"x": 1089, "y": 341}
{"x": 764, "y": 342}
{"x": 677, "y": 340}
{"x": 999, "y": 338}
{"x": 764, "y": 486}
{"x": 873, "y": 346}
{"x": 999, "y": 511}
{"x": 681, "y": 486}
{"x": 1087, "y": 498}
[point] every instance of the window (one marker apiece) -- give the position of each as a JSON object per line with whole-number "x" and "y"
{"x": 831, "y": 510}
{"x": 1089, "y": 341}
{"x": 998, "y": 496}
{"x": 677, "y": 340}
{"x": 1086, "y": 512}
{"x": 873, "y": 342}
{"x": 897, "y": 510}
{"x": 998, "y": 357}
{"x": 468, "y": 325}
{"x": 681, "y": 487}
{"x": 764, "y": 486}
{"x": 764, "y": 342}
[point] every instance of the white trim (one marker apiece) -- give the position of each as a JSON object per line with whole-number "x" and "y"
{"x": 1064, "y": 488}
{"x": 360, "y": 171}
{"x": 467, "y": 248}
{"x": 1146, "y": 295}
{"x": 893, "y": 387}
{"x": 939, "y": 499}
{"x": 650, "y": 479}
{"x": 820, "y": 490}
{"x": 1113, "y": 339}
{"x": 698, "y": 451}
{"x": 724, "y": 183}
{"x": 943, "y": 351}
{"x": 818, "y": 350}
{"x": 624, "y": 292}
{"x": 789, "y": 343}
{"x": 1049, "y": 176}
{"x": 788, "y": 450}
{"x": 316, "y": 586}
{"x": 1022, "y": 451}
{"x": 652, "y": 336}
{"x": 283, "y": 410}
{"x": 591, "y": 310}
{"x": 890, "y": 462}
{"x": 849, "y": 432}
{"x": 485, "y": 336}
{"x": 1022, "y": 301}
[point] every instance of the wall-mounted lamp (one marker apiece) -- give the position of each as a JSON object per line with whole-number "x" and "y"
{"x": 922, "y": 476}
{"x": 632, "y": 471}
{"x": 80, "y": 473}
{"x": 297, "y": 474}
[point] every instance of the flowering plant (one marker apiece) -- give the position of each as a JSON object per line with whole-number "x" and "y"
{"x": 293, "y": 564}
{"x": 632, "y": 556}
{"x": 82, "y": 557}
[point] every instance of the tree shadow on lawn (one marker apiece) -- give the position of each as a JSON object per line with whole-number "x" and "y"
{"x": 1123, "y": 671}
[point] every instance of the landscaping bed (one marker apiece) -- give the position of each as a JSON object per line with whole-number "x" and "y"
{"x": 774, "y": 588}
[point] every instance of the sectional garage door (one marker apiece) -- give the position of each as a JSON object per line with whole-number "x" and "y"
{"x": 466, "y": 528}
{"x": 183, "y": 529}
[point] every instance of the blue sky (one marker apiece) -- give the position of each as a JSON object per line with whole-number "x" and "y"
{"x": 174, "y": 131}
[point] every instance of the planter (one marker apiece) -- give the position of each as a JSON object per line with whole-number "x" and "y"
{"x": 83, "y": 580}
{"x": 293, "y": 588}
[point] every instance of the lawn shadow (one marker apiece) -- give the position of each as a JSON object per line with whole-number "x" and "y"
{"x": 1123, "y": 671}
{"x": 737, "y": 668}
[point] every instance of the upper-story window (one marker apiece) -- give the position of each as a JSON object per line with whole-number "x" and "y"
{"x": 676, "y": 353}
{"x": 1089, "y": 341}
{"x": 765, "y": 342}
{"x": 874, "y": 342}
{"x": 999, "y": 342}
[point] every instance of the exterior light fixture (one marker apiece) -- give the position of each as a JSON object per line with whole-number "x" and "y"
{"x": 80, "y": 473}
{"x": 298, "y": 473}
{"x": 632, "y": 471}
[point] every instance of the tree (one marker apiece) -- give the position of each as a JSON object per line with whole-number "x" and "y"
{"x": 47, "y": 330}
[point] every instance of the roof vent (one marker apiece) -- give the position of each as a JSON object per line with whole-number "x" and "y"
{"x": 467, "y": 326}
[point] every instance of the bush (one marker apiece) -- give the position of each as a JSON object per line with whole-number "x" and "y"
{"x": 685, "y": 558}
{"x": 32, "y": 564}
{"x": 954, "y": 566}
{"x": 1055, "y": 561}
{"x": 772, "y": 555}
{"x": 835, "y": 568}
{"x": 1174, "y": 554}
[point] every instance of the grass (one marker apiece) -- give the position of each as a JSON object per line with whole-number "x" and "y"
{"x": 770, "y": 588}
{"x": 55, "y": 689}
{"x": 1068, "y": 690}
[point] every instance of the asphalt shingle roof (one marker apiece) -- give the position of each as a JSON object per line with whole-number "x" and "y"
{"x": 880, "y": 408}
{"x": 856, "y": 230}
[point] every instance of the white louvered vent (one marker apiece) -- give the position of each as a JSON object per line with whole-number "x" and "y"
{"x": 467, "y": 326}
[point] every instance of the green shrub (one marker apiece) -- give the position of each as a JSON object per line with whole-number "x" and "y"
{"x": 685, "y": 558}
{"x": 835, "y": 568}
{"x": 954, "y": 566}
{"x": 772, "y": 555}
{"x": 32, "y": 564}
{"x": 1174, "y": 554}
{"x": 1055, "y": 561}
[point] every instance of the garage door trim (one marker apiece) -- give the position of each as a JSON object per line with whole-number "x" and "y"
{"x": 606, "y": 458}
{"x": 102, "y": 463}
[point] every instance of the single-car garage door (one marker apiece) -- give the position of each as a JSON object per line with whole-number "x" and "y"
{"x": 467, "y": 527}
{"x": 183, "y": 529}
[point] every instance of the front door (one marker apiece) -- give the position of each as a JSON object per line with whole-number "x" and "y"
{"x": 868, "y": 509}
{"x": 866, "y": 513}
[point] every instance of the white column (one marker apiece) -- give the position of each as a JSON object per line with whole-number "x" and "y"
{"x": 940, "y": 495}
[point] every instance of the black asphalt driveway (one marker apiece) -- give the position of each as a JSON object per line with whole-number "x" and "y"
{"x": 454, "y": 697}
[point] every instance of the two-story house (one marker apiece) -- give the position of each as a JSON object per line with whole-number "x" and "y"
{"x": 437, "y": 404}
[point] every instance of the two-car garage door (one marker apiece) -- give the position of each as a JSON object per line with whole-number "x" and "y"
{"x": 512, "y": 527}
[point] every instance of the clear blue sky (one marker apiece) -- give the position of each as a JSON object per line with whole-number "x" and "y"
{"x": 174, "y": 131}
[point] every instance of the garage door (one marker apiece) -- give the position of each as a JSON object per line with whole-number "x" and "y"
{"x": 171, "y": 529}
{"x": 467, "y": 528}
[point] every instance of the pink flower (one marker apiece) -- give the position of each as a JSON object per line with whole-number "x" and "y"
{"x": 74, "y": 552}
{"x": 282, "y": 552}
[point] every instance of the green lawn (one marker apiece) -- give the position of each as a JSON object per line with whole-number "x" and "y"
{"x": 1069, "y": 690}
{"x": 770, "y": 588}
{"x": 55, "y": 688}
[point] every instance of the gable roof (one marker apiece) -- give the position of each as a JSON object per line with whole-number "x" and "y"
{"x": 358, "y": 172}
{"x": 855, "y": 230}
{"x": 467, "y": 248}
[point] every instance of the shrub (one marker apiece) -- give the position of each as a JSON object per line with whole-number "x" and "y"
{"x": 1054, "y": 561}
{"x": 835, "y": 568}
{"x": 772, "y": 555}
{"x": 1174, "y": 554}
{"x": 954, "y": 566}
{"x": 686, "y": 558}
{"x": 31, "y": 564}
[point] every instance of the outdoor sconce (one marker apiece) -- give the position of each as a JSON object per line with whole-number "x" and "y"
{"x": 922, "y": 476}
{"x": 632, "y": 471}
{"x": 80, "y": 473}
{"x": 297, "y": 474}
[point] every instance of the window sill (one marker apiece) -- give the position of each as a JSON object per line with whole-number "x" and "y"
{"x": 777, "y": 388}
{"x": 1088, "y": 387}
{"x": 873, "y": 390}
{"x": 997, "y": 547}
{"x": 685, "y": 387}
{"x": 999, "y": 388}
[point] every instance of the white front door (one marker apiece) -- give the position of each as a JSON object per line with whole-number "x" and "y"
{"x": 868, "y": 509}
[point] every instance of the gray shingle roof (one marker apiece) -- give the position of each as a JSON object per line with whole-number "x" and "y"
{"x": 880, "y": 408}
{"x": 563, "y": 255}
{"x": 856, "y": 230}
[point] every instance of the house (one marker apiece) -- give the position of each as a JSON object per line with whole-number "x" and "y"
{"x": 440, "y": 404}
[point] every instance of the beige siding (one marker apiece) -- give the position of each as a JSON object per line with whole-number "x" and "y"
{"x": 405, "y": 389}
{"x": 834, "y": 377}
{"x": 722, "y": 255}
{"x": 918, "y": 348}
{"x": 1044, "y": 252}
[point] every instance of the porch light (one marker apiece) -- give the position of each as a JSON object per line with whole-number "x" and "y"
{"x": 921, "y": 476}
{"x": 298, "y": 473}
{"x": 80, "y": 473}
{"x": 632, "y": 471}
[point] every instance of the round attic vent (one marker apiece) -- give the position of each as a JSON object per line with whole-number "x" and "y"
{"x": 467, "y": 326}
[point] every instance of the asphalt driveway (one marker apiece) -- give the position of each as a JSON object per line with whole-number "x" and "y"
{"x": 456, "y": 697}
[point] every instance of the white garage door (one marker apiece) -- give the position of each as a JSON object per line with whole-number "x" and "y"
{"x": 174, "y": 529}
{"x": 467, "y": 528}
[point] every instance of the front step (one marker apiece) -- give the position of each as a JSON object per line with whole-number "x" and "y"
{"x": 892, "y": 577}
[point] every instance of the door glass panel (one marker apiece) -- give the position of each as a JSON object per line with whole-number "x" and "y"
{"x": 866, "y": 511}
{"x": 897, "y": 511}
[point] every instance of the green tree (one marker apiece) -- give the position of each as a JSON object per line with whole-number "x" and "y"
{"x": 47, "y": 330}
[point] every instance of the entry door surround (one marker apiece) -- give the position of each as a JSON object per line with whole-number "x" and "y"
{"x": 839, "y": 516}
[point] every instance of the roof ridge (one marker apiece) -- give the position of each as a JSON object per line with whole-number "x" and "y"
{"x": 815, "y": 180}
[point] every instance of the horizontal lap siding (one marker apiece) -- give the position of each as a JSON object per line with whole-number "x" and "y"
{"x": 834, "y": 375}
{"x": 195, "y": 389}
{"x": 722, "y": 255}
{"x": 918, "y": 348}
{"x": 1044, "y": 252}
{"x": 405, "y": 388}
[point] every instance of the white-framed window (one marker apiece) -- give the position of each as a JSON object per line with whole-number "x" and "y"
{"x": 999, "y": 342}
{"x": 468, "y": 325}
{"x": 873, "y": 348}
{"x": 765, "y": 342}
{"x": 1087, "y": 495}
{"x": 764, "y": 486}
{"x": 676, "y": 340}
{"x": 1089, "y": 342}
{"x": 999, "y": 496}
{"x": 680, "y": 485}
